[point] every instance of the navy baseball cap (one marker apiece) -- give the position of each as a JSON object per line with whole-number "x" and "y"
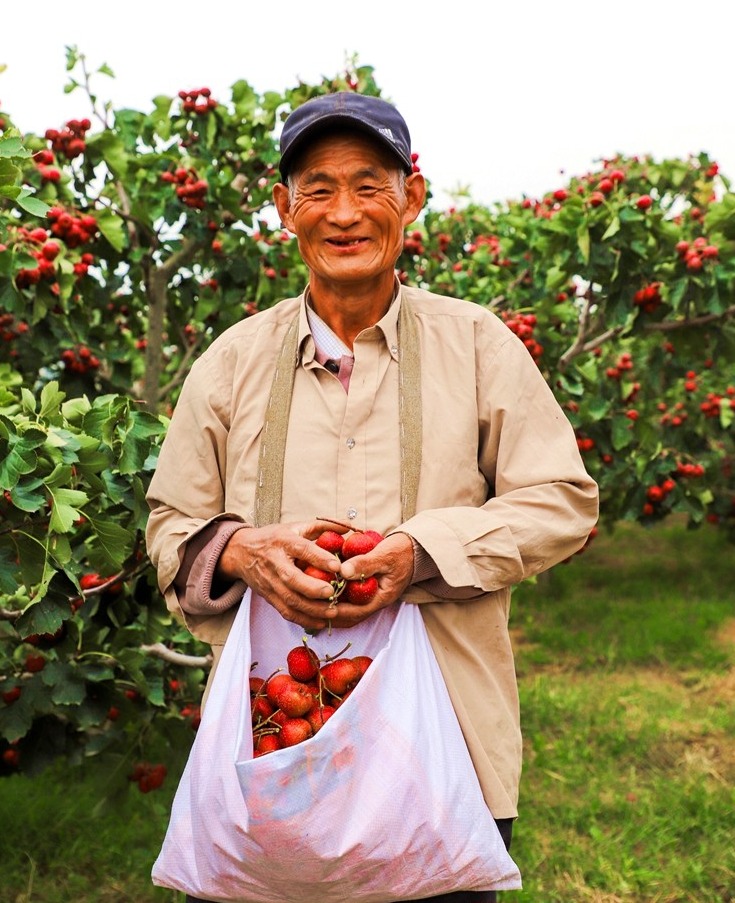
{"x": 373, "y": 115}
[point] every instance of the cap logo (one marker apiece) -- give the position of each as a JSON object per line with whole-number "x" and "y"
{"x": 388, "y": 134}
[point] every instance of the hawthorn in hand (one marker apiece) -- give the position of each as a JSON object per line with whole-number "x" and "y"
{"x": 358, "y": 591}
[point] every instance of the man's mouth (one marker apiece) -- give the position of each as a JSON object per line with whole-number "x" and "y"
{"x": 346, "y": 242}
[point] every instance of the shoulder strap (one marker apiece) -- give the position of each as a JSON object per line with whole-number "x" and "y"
{"x": 269, "y": 486}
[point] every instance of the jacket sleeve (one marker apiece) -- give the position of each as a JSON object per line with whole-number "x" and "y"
{"x": 186, "y": 495}
{"x": 542, "y": 503}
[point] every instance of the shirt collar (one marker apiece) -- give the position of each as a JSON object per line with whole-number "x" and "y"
{"x": 317, "y": 339}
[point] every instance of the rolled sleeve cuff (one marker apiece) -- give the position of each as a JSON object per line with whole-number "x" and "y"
{"x": 199, "y": 590}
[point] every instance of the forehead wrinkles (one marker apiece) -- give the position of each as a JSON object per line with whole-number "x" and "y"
{"x": 316, "y": 174}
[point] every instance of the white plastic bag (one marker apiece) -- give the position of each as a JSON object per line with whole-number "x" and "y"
{"x": 381, "y": 805}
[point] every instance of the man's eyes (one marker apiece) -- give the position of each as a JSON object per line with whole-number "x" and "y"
{"x": 362, "y": 190}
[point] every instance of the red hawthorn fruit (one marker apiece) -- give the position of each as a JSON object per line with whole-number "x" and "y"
{"x": 331, "y": 541}
{"x": 644, "y": 202}
{"x": 266, "y": 743}
{"x": 11, "y": 757}
{"x": 294, "y": 699}
{"x": 90, "y": 581}
{"x": 35, "y": 663}
{"x": 294, "y": 731}
{"x": 11, "y": 695}
{"x": 275, "y": 684}
{"x": 339, "y": 676}
{"x": 260, "y": 709}
{"x": 257, "y": 685}
{"x": 152, "y": 779}
{"x": 113, "y": 713}
{"x": 278, "y": 718}
{"x": 359, "y": 543}
{"x": 360, "y": 592}
{"x": 319, "y": 715}
{"x": 303, "y": 663}
{"x": 312, "y": 571}
{"x": 378, "y": 537}
{"x": 363, "y": 662}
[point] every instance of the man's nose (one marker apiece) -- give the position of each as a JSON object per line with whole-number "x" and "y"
{"x": 344, "y": 209}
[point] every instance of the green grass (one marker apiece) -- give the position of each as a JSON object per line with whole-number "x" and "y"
{"x": 55, "y": 848}
{"x": 626, "y": 662}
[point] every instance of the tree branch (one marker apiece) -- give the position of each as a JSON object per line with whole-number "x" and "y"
{"x": 158, "y": 650}
{"x": 181, "y": 370}
{"x": 670, "y": 325}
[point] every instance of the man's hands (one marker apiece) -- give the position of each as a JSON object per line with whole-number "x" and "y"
{"x": 268, "y": 559}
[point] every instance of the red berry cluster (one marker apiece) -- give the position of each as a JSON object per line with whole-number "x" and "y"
{"x": 523, "y": 326}
{"x": 492, "y": 243}
{"x": 656, "y": 495}
{"x": 413, "y": 243}
{"x": 358, "y": 591}
{"x": 194, "y": 714}
{"x": 585, "y": 443}
{"x": 686, "y": 469}
{"x": 69, "y": 142}
{"x": 45, "y": 253}
{"x": 79, "y": 359}
{"x": 44, "y": 161}
{"x": 289, "y": 707}
{"x": 622, "y": 365}
{"x": 190, "y": 189}
{"x": 190, "y": 102}
{"x": 694, "y": 254}
{"x": 147, "y": 776}
{"x": 712, "y": 404}
{"x": 74, "y": 229}
{"x": 648, "y": 298}
{"x": 675, "y": 417}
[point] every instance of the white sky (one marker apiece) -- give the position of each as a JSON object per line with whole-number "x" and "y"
{"x": 499, "y": 96}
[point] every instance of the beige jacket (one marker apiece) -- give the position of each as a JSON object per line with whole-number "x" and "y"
{"x": 503, "y": 493}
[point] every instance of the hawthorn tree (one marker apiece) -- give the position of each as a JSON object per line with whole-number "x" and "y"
{"x": 129, "y": 240}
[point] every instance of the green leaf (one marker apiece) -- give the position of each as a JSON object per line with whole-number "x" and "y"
{"x": 65, "y": 509}
{"x": 32, "y": 205}
{"x": 583, "y": 242}
{"x": 114, "y": 540}
{"x": 612, "y": 229}
{"x": 19, "y": 454}
{"x": 51, "y": 398}
{"x": 66, "y": 683}
{"x": 622, "y": 434}
{"x": 44, "y": 616}
{"x": 112, "y": 228}
{"x": 12, "y": 146}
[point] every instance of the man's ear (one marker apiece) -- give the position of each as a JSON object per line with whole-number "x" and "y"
{"x": 415, "y": 197}
{"x": 283, "y": 205}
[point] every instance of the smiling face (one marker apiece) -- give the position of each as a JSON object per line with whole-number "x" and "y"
{"x": 348, "y": 204}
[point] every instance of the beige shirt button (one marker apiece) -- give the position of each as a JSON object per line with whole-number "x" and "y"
{"x": 350, "y": 443}
{"x": 352, "y": 513}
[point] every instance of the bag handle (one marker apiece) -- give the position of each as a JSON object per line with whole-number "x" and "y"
{"x": 269, "y": 486}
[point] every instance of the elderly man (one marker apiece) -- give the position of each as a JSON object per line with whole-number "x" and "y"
{"x": 420, "y": 416}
